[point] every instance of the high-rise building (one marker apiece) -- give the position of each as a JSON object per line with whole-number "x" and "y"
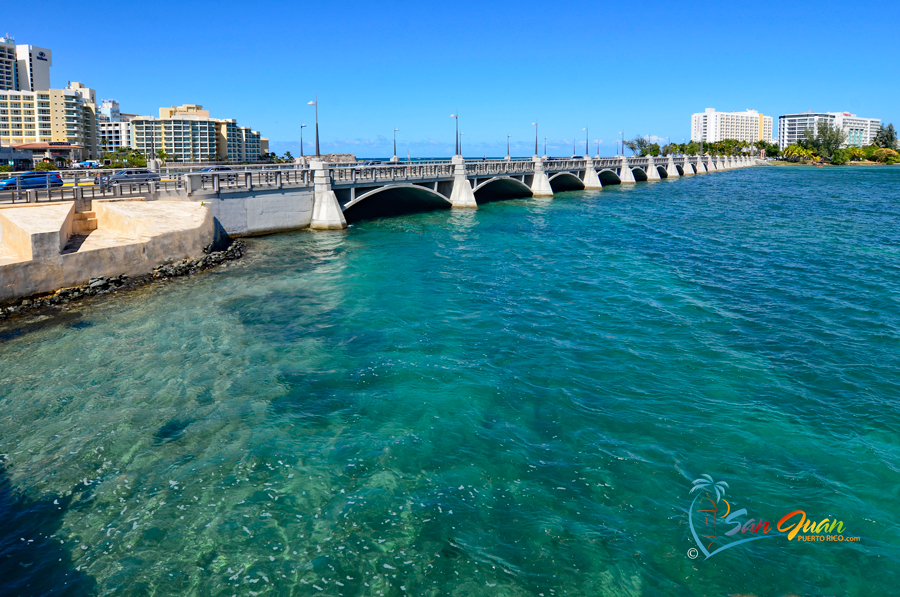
{"x": 50, "y": 116}
{"x": 9, "y": 79}
{"x": 33, "y": 65}
{"x": 188, "y": 134}
{"x": 711, "y": 126}
{"x": 860, "y": 131}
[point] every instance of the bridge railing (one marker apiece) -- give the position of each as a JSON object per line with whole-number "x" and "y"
{"x": 136, "y": 189}
{"x": 405, "y": 171}
{"x": 495, "y": 167}
{"x": 248, "y": 179}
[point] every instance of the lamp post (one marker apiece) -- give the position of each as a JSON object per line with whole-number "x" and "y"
{"x": 623, "y": 143}
{"x": 456, "y": 116}
{"x": 316, "y": 104}
{"x": 395, "y": 158}
{"x": 460, "y": 143}
{"x": 302, "y": 126}
{"x": 545, "y": 146}
{"x": 507, "y": 146}
{"x": 598, "y": 148}
{"x": 683, "y": 147}
{"x": 574, "y": 146}
{"x": 587, "y": 151}
{"x": 535, "y": 124}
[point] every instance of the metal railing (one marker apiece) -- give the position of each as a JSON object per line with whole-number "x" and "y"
{"x": 136, "y": 189}
{"x": 247, "y": 179}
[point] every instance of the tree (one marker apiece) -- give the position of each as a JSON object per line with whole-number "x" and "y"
{"x": 288, "y": 157}
{"x": 886, "y": 137}
{"x": 44, "y": 166}
{"x": 887, "y": 156}
{"x": 162, "y": 155}
{"x": 653, "y": 149}
{"x": 825, "y": 140}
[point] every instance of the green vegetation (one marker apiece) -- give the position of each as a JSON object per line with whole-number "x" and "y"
{"x": 6, "y": 168}
{"x": 824, "y": 145}
{"x": 886, "y": 138}
{"x": 125, "y": 157}
{"x": 44, "y": 166}
{"x": 641, "y": 146}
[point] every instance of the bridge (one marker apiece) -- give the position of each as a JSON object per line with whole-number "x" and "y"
{"x": 354, "y": 191}
{"x": 326, "y": 196}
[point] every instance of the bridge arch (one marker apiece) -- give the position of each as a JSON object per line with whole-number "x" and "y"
{"x": 680, "y": 169}
{"x": 565, "y": 181}
{"x": 640, "y": 174}
{"x": 663, "y": 173}
{"x": 608, "y": 177}
{"x": 392, "y": 200}
{"x": 499, "y": 188}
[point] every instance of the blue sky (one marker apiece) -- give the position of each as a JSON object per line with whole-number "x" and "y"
{"x": 638, "y": 67}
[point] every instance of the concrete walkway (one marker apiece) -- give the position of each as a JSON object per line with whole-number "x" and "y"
{"x": 44, "y": 247}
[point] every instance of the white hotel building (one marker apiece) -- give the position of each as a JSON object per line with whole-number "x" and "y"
{"x": 860, "y": 131}
{"x": 711, "y": 126}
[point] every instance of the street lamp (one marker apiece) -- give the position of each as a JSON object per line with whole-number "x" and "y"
{"x": 598, "y": 148}
{"x": 302, "y": 126}
{"x": 587, "y": 151}
{"x": 456, "y": 116}
{"x": 545, "y": 146}
{"x": 507, "y": 146}
{"x": 316, "y": 104}
{"x": 395, "y": 144}
{"x": 460, "y": 143}
{"x": 536, "y": 138}
{"x": 623, "y": 143}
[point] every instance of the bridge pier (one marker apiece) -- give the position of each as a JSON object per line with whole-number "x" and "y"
{"x": 540, "y": 184}
{"x": 671, "y": 170}
{"x": 462, "y": 195}
{"x": 626, "y": 176}
{"x": 327, "y": 213}
{"x": 591, "y": 180}
{"x": 652, "y": 172}
{"x": 701, "y": 168}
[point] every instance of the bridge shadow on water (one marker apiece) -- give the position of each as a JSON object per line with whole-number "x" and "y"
{"x": 395, "y": 202}
{"x": 34, "y": 562}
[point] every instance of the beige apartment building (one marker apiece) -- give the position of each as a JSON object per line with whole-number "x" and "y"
{"x": 711, "y": 126}
{"x": 187, "y": 134}
{"x": 51, "y": 116}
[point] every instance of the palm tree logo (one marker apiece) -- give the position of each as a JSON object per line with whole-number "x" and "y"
{"x": 705, "y": 482}
{"x": 705, "y": 486}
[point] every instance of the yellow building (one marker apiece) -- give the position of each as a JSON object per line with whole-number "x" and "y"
{"x": 187, "y": 134}
{"x": 55, "y": 115}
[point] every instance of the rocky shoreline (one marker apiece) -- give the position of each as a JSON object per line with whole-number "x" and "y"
{"x": 107, "y": 285}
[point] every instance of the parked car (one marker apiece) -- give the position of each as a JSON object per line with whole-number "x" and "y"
{"x": 208, "y": 177}
{"x": 130, "y": 176}
{"x": 36, "y": 179}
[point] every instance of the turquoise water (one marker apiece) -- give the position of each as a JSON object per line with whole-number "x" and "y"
{"x": 512, "y": 401}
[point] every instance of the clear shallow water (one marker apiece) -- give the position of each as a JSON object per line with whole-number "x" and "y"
{"x": 512, "y": 401}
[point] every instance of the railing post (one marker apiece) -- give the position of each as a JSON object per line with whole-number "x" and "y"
{"x": 31, "y": 195}
{"x": 215, "y": 183}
